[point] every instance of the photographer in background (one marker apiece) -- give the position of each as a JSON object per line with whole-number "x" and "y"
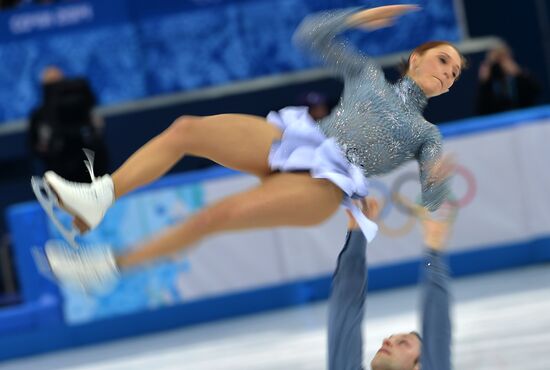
{"x": 503, "y": 84}
{"x": 64, "y": 124}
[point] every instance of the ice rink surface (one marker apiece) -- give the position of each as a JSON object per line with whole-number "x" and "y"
{"x": 501, "y": 321}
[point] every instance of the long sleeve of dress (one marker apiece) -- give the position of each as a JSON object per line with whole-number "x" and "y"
{"x": 433, "y": 193}
{"x": 317, "y": 35}
{"x": 347, "y": 305}
{"x": 436, "y": 322}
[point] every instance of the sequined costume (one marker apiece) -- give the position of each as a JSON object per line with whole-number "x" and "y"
{"x": 377, "y": 125}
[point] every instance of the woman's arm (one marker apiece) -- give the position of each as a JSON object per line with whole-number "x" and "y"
{"x": 317, "y": 34}
{"x": 435, "y": 171}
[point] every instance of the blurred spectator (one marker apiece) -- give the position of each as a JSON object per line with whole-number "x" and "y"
{"x": 317, "y": 103}
{"x": 9, "y": 290}
{"x": 503, "y": 84}
{"x": 64, "y": 124}
{"x": 7, "y": 4}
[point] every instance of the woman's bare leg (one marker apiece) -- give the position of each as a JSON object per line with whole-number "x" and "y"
{"x": 236, "y": 141}
{"x": 286, "y": 199}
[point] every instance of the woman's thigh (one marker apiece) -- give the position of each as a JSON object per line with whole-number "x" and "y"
{"x": 238, "y": 141}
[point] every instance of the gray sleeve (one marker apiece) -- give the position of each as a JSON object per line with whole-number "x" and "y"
{"x": 436, "y": 322}
{"x": 433, "y": 194}
{"x": 317, "y": 35}
{"x": 346, "y": 305}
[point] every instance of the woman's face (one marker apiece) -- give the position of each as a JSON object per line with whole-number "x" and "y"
{"x": 436, "y": 70}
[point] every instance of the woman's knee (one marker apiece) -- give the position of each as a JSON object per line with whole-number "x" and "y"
{"x": 213, "y": 218}
{"x": 182, "y": 131}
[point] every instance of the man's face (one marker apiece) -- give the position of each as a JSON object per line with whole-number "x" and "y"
{"x": 398, "y": 352}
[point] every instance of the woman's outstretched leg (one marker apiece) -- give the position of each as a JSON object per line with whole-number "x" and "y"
{"x": 236, "y": 141}
{"x": 285, "y": 199}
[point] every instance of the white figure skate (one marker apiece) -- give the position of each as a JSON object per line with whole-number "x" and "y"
{"x": 88, "y": 202}
{"x": 90, "y": 269}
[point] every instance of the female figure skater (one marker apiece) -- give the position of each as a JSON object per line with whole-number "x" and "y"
{"x": 307, "y": 169}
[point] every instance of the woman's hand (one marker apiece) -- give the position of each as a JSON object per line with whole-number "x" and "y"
{"x": 383, "y": 16}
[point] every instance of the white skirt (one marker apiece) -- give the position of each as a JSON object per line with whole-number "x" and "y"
{"x": 303, "y": 147}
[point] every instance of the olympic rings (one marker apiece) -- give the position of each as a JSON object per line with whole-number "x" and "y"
{"x": 471, "y": 186}
{"x": 387, "y": 205}
{"x": 397, "y": 231}
{"x": 394, "y": 197}
{"x": 396, "y": 190}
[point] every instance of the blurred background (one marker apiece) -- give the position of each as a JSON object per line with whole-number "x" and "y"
{"x": 109, "y": 75}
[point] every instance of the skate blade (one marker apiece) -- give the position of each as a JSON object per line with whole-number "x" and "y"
{"x": 48, "y": 201}
{"x": 42, "y": 264}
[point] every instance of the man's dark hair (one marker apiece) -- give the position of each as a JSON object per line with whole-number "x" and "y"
{"x": 420, "y": 339}
{"x": 417, "y": 335}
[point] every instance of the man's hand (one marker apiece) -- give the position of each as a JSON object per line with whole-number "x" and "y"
{"x": 436, "y": 232}
{"x": 437, "y": 226}
{"x": 371, "y": 209}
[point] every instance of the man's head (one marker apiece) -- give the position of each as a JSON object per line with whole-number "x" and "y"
{"x": 398, "y": 352}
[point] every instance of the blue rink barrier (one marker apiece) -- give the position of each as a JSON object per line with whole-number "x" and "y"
{"x": 37, "y": 324}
